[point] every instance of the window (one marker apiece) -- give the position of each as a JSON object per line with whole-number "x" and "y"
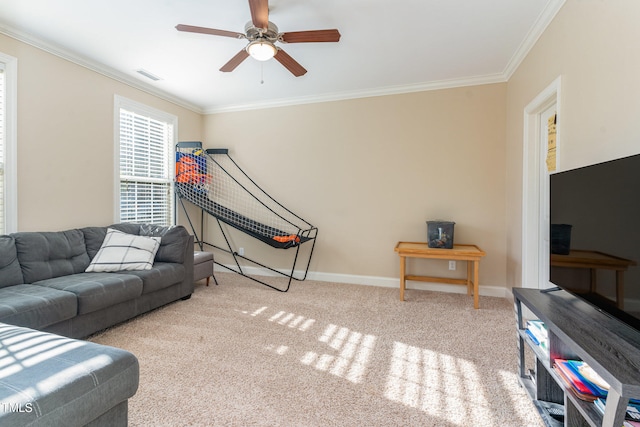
{"x": 8, "y": 175}
{"x": 2, "y": 144}
{"x": 144, "y": 149}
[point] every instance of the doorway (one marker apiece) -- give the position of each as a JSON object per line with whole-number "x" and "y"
{"x": 535, "y": 194}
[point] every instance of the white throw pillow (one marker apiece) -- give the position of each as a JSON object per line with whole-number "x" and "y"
{"x": 122, "y": 251}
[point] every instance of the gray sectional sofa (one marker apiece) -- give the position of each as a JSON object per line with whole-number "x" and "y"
{"x": 48, "y": 300}
{"x": 44, "y": 286}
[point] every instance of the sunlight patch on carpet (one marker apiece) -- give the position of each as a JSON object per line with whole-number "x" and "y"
{"x": 278, "y": 349}
{"x": 348, "y": 354}
{"x": 291, "y": 320}
{"x": 254, "y": 313}
{"x": 258, "y": 311}
{"x": 436, "y": 383}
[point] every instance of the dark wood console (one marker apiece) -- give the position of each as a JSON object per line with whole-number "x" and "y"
{"x": 577, "y": 330}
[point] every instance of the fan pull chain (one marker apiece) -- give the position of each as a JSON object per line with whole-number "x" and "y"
{"x": 262, "y": 73}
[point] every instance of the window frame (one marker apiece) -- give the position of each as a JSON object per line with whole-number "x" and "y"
{"x": 10, "y": 108}
{"x": 155, "y": 114}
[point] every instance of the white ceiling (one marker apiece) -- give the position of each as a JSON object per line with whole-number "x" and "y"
{"x": 386, "y": 46}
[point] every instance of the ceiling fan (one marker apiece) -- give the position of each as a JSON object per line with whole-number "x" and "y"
{"x": 262, "y": 36}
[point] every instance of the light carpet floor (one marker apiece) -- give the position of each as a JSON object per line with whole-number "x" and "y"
{"x": 325, "y": 354}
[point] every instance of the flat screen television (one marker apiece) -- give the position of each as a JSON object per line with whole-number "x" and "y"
{"x": 595, "y": 235}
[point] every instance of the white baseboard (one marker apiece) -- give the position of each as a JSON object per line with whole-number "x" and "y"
{"x": 386, "y": 282}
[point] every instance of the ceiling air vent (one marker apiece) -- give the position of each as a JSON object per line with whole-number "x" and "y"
{"x": 148, "y": 75}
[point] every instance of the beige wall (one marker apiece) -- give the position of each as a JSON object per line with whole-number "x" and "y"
{"x": 593, "y": 46}
{"x": 66, "y": 142}
{"x": 370, "y": 172}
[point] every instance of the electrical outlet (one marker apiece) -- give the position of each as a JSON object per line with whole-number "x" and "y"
{"x": 241, "y": 251}
{"x": 452, "y": 265}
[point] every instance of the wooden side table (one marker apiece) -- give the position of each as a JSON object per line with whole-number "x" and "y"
{"x": 469, "y": 253}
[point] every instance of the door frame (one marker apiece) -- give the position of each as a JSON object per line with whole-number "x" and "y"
{"x": 535, "y": 225}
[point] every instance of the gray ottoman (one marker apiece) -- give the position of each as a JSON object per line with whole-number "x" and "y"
{"x": 203, "y": 266}
{"x": 50, "y": 380}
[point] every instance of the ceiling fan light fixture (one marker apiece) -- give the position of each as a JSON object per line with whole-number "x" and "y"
{"x": 262, "y": 50}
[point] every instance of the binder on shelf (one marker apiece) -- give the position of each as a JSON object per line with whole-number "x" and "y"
{"x": 588, "y": 373}
{"x": 538, "y": 333}
{"x": 575, "y": 369}
{"x": 533, "y": 337}
{"x": 584, "y": 389}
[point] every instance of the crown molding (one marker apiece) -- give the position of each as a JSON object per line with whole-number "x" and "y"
{"x": 546, "y": 16}
{"x": 97, "y": 67}
{"x": 367, "y": 93}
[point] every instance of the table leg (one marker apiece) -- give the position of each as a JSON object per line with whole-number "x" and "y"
{"x": 476, "y": 268}
{"x": 469, "y": 277}
{"x": 620, "y": 289}
{"x": 402, "y": 277}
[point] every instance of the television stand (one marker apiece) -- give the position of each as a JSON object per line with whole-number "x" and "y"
{"x": 577, "y": 330}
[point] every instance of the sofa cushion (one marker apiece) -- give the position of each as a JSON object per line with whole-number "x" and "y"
{"x": 172, "y": 248}
{"x": 36, "y": 307}
{"x": 10, "y": 272}
{"x": 56, "y": 381}
{"x": 44, "y": 255}
{"x": 93, "y": 238}
{"x": 122, "y": 252}
{"x": 162, "y": 275}
{"x": 127, "y": 227}
{"x": 96, "y": 291}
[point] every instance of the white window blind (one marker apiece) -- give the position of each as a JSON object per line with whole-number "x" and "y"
{"x": 146, "y": 169}
{"x": 8, "y": 143}
{"x": 2, "y": 150}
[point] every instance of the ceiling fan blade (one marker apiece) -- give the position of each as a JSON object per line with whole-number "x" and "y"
{"x": 235, "y": 61}
{"x": 311, "y": 36}
{"x": 290, "y": 63}
{"x": 259, "y": 13}
{"x": 212, "y": 31}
